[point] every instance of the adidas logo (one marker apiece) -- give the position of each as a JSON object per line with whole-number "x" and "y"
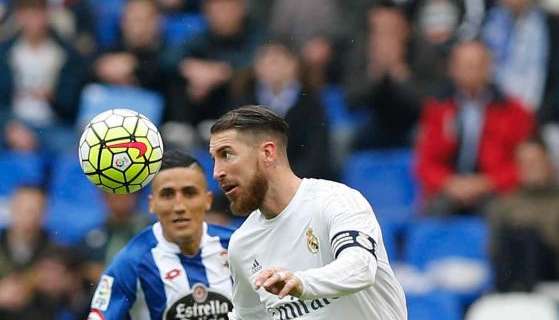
{"x": 256, "y": 267}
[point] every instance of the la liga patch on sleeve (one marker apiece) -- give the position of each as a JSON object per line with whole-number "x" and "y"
{"x": 102, "y": 297}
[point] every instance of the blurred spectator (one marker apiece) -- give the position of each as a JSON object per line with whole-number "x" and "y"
{"x": 206, "y": 64}
{"x": 24, "y": 239}
{"x": 40, "y": 76}
{"x": 277, "y": 83}
{"x": 15, "y": 298}
{"x": 379, "y": 79}
{"x": 524, "y": 41}
{"x": 315, "y": 41}
{"x": 135, "y": 60}
{"x": 524, "y": 224}
{"x": 73, "y": 20}
{"x": 58, "y": 286}
{"x": 436, "y": 26}
{"x": 468, "y": 137}
{"x": 100, "y": 245}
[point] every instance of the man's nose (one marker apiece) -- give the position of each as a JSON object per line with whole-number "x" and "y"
{"x": 178, "y": 205}
{"x": 218, "y": 172}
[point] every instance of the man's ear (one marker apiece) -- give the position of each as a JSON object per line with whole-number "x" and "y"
{"x": 269, "y": 151}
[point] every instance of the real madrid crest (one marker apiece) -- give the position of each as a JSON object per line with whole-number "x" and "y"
{"x": 312, "y": 241}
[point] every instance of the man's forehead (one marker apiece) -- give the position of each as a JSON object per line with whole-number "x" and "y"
{"x": 223, "y": 138}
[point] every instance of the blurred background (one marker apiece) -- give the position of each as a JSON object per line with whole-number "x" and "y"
{"x": 443, "y": 113}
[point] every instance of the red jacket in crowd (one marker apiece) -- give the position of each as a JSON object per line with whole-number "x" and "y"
{"x": 507, "y": 123}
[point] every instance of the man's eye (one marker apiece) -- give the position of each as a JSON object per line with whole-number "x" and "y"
{"x": 166, "y": 194}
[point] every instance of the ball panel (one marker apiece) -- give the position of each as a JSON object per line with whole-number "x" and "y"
{"x": 87, "y": 167}
{"x": 133, "y": 171}
{"x": 130, "y": 124}
{"x": 156, "y": 155}
{"x": 154, "y": 167}
{"x": 115, "y": 175}
{"x": 94, "y": 155}
{"x": 106, "y": 160}
{"x": 118, "y": 133}
{"x": 100, "y": 128}
{"x": 141, "y": 128}
{"x": 107, "y": 182}
{"x": 134, "y": 187}
{"x": 121, "y": 190}
{"x": 154, "y": 138}
{"x": 84, "y": 151}
{"x": 94, "y": 178}
{"x": 114, "y": 121}
{"x": 141, "y": 177}
{"x": 91, "y": 138}
{"x": 148, "y": 180}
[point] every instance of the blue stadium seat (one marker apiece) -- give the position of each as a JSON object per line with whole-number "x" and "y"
{"x": 19, "y": 169}
{"x": 435, "y": 305}
{"x": 445, "y": 247}
{"x": 337, "y": 112}
{"x": 97, "y": 98}
{"x": 179, "y": 28}
{"x": 75, "y": 204}
{"x": 385, "y": 179}
{"x": 432, "y": 239}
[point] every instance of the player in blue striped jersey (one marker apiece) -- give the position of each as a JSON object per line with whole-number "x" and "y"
{"x": 177, "y": 268}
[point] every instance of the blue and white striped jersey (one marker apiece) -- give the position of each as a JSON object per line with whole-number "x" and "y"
{"x": 151, "y": 279}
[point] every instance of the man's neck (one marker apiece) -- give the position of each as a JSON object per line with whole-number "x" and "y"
{"x": 281, "y": 191}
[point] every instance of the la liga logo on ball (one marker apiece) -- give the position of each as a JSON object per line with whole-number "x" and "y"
{"x": 120, "y": 151}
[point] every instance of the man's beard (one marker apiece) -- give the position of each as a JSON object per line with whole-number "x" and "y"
{"x": 252, "y": 196}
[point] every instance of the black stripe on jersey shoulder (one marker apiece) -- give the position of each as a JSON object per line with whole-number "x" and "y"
{"x": 352, "y": 238}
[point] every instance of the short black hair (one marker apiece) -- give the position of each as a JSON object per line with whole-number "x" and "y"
{"x": 176, "y": 158}
{"x": 256, "y": 119}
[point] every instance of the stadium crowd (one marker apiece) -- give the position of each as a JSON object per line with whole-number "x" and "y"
{"x": 469, "y": 90}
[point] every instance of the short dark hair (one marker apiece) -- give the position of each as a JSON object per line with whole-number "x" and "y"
{"x": 255, "y": 119}
{"x": 176, "y": 158}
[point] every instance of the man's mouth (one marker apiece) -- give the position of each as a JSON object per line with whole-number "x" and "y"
{"x": 229, "y": 188}
{"x": 181, "y": 220}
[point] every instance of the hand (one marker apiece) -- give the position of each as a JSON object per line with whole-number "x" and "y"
{"x": 280, "y": 282}
{"x": 468, "y": 189}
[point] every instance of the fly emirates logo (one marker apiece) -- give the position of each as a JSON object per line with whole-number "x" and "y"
{"x": 293, "y": 308}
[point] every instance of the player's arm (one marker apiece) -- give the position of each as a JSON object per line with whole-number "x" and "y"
{"x": 115, "y": 293}
{"x": 353, "y": 243}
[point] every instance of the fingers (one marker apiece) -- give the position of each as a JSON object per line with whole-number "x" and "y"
{"x": 263, "y": 276}
{"x": 279, "y": 282}
{"x": 290, "y": 286}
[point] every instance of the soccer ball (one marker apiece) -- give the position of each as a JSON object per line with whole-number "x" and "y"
{"x": 120, "y": 151}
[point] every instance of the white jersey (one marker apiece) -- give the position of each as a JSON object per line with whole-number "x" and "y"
{"x": 323, "y": 219}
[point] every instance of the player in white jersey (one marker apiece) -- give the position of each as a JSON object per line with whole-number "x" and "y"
{"x": 176, "y": 269}
{"x": 310, "y": 249}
